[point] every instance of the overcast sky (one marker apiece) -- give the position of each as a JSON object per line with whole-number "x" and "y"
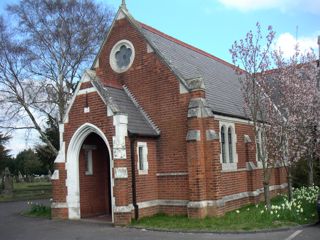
{"x": 213, "y": 25}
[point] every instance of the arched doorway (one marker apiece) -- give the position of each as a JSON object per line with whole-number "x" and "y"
{"x": 74, "y": 150}
{"x": 94, "y": 174}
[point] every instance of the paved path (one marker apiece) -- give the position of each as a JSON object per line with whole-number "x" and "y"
{"x": 13, "y": 226}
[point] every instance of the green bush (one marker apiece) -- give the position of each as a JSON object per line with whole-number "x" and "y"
{"x": 38, "y": 210}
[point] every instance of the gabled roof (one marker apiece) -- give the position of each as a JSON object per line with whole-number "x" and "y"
{"x": 121, "y": 101}
{"x": 138, "y": 122}
{"x": 118, "y": 101}
{"x": 223, "y": 89}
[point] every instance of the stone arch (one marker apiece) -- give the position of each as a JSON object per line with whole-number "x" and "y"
{"x": 72, "y": 167}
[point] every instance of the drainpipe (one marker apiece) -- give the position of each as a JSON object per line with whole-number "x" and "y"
{"x": 133, "y": 176}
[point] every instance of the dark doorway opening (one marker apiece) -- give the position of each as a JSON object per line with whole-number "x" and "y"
{"x": 94, "y": 174}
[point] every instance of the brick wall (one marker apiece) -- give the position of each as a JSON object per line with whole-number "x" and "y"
{"x": 157, "y": 90}
{"x": 95, "y": 198}
{"x": 147, "y": 184}
{"x": 59, "y": 189}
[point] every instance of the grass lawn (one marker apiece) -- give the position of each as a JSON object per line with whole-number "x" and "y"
{"x": 252, "y": 217}
{"x": 29, "y": 191}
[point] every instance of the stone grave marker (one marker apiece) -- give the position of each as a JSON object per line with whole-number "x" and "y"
{"x": 7, "y": 182}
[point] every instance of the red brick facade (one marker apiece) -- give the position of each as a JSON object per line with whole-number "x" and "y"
{"x": 184, "y": 176}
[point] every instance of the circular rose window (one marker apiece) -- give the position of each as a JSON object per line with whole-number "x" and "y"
{"x": 122, "y": 56}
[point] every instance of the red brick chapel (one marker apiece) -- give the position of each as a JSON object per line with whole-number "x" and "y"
{"x": 156, "y": 126}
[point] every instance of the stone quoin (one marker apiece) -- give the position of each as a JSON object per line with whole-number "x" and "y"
{"x": 156, "y": 126}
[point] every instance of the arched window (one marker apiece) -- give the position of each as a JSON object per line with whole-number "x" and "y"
{"x": 228, "y": 140}
{"x": 223, "y": 144}
{"x": 230, "y": 145}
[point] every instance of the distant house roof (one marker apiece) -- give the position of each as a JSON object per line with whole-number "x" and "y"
{"x": 223, "y": 89}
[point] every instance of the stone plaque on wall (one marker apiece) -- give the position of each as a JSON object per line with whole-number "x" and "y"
{"x": 119, "y": 153}
{"x": 120, "y": 173}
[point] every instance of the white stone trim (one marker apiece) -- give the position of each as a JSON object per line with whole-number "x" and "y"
{"x": 233, "y": 169}
{"x": 198, "y": 204}
{"x": 86, "y": 77}
{"x": 120, "y": 121}
{"x": 115, "y": 48}
{"x": 55, "y": 175}
{"x": 72, "y": 167}
{"x": 147, "y": 204}
{"x": 59, "y": 205}
{"x": 221, "y": 202}
{"x": 231, "y": 119}
{"x": 207, "y": 203}
{"x": 149, "y": 48}
{"x": 123, "y": 209}
{"x": 145, "y": 158}
{"x": 120, "y": 16}
{"x": 259, "y": 165}
{"x": 120, "y": 173}
{"x": 86, "y": 91}
{"x": 172, "y": 174}
{"x": 86, "y": 110}
{"x": 229, "y": 167}
{"x": 61, "y": 154}
{"x": 161, "y": 202}
{"x": 182, "y": 88}
{"x": 109, "y": 111}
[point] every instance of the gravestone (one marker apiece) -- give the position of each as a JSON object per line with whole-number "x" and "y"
{"x": 7, "y": 182}
{"x": 1, "y": 181}
{"x": 20, "y": 177}
{"x": 49, "y": 175}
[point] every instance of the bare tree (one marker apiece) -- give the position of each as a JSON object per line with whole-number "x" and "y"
{"x": 43, "y": 57}
{"x": 253, "y": 55}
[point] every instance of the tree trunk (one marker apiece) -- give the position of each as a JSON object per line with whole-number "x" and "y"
{"x": 266, "y": 193}
{"x": 290, "y": 192}
{"x": 310, "y": 170}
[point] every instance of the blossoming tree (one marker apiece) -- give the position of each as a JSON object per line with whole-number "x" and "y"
{"x": 252, "y": 56}
{"x": 293, "y": 89}
{"x": 282, "y": 103}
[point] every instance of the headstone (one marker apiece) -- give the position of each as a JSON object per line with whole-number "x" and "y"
{"x": 29, "y": 178}
{"x": 20, "y": 177}
{"x": 49, "y": 175}
{"x": 1, "y": 181}
{"x": 7, "y": 182}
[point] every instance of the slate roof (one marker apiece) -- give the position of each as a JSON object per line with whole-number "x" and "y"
{"x": 223, "y": 89}
{"x": 121, "y": 101}
{"x": 138, "y": 121}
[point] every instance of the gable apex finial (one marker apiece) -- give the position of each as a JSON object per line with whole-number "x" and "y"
{"x": 124, "y": 5}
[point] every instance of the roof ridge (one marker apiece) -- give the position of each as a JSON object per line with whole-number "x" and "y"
{"x": 175, "y": 40}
